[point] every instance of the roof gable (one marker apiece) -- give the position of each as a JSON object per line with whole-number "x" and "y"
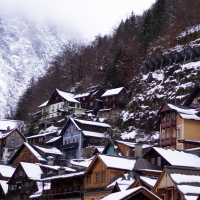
{"x": 111, "y": 92}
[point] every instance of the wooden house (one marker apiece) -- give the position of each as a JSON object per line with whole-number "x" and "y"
{"x": 102, "y": 171}
{"x": 170, "y": 157}
{"x": 58, "y": 106}
{"x": 78, "y": 134}
{"x": 44, "y": 136}
{"x": 178, "y": 183}
{"x": 114, "y": 98}
{"x": 26, "y": 153}
{"x": 178, "y": 123}
{"x": 133, "y": 194}
{"x": 65, "y": 186}
{"x": 91, "y": 100}
{"x": 23, "y": 181}
{"x": 8, "y": 141}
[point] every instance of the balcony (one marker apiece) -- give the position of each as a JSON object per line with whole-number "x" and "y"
{"x": 69, "y": 146}
{"x": 56, "y": 191}
{"x": 167, "y": 142}
{"x": 168, "y": 124}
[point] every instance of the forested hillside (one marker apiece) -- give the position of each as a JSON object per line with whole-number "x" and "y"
{"x": 118, "y": 59}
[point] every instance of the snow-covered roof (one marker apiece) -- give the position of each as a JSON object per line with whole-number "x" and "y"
{"x": 123, "y": 182}
{"x": 4, "y": 186}
{"x": 4, "y": 123}
{"x": 179, "y": 158}
{"x": 118, "y": 162}
{"x": 6, "y": 170}
{"x": 49, "y": 150}
{"x": 185, "y": 112}
{"x": 32, "y": 170}
{"x": 44, "y": 104}
{"x": 128, "y": 135}
{"x": 129, "y": 144}
{"x": 123, "y": 194}
{"x": 34, "y": 152}
{"x": 67, "y": 96}
{"x": 55, "y": 167}
{"x": 81, "y": 162}
{"x": 92, "y": 123}
{"x": 53, "y": 139}
{"x": 64, "y": 176}
{"x": 112, "y": 92}
{"x": 148, "y": 180}
{"x": 82, "y": 95}
{"x": 94, "y": 134}
{"x": 50, "y": 130}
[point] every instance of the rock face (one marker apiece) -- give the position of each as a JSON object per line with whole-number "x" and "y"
{"x": 26, "y": 48}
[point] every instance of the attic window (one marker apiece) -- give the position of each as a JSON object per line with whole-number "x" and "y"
{"x": 106, "y": 99}
{"x": 153, "y": 161}
{"x": 103, "y": 176}
{"x": 12, "y": 141}
{"x": 57, "y": 97}
{"x": 88, "y": 179}
{"x": 97, "y": 177}
{"x": 31, "y": 156}
{"x": 159, "y": 161}
{"x": 113, "y": 97}
{"x": 24, "y": 157}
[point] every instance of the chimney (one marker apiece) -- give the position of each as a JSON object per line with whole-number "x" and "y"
{"x": 138, "y": 150}
{"x": 50, "y": 160}
{"x": 8, "y": 128}
{"x": 61, "y": 171}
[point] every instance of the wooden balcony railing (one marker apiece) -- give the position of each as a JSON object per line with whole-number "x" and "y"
{"x": 69, "y": 146}
{"x": 70, "y": 189}
{"x": 167, "y": 142}
{"x": 168, "y": 124}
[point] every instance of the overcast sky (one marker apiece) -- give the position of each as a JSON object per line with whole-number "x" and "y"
{"x": 86, "y": 18}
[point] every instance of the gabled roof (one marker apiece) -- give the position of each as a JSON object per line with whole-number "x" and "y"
{"x": 81, "y": 95}
{"x": 32, "y": 170}
{"x": 44, "y": 104}
{"x": 112, "y": 92}
{"x": 31, "y": 149}
{"x": 131, "y": 193}
{"x": 8, "y": 132}
{"x": 185, "y": 112}
{"x": 85, "y": 122}
{"x": 143, "y": 164}
{"x": 55, "y": 167}
{"x": 114, "y": 162}
{"x": 177, "y": 158}
{"x": 48, "y": 150}
{"x": 186, "y": 179}
{"x": 67, "y": 96}
{"x": 53, "y": 139}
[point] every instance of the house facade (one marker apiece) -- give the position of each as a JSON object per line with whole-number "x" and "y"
{"x": 178, "y": 123}
{"x": 78, "y": 134}
{"x": 59, "y": 105}
{"x": 102, "y": 171}
{"x": 114, "y": 98}
{"x": 8, "y": 141}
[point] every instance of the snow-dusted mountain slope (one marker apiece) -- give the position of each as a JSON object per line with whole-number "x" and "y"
{"x": 25, "y": 51}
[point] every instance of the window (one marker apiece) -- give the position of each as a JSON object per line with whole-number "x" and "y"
{"x": 88, "y": 179}
{"x": 73, "y": 140}
{"x": 20, "y": 173}
{"x": 83, "y": 98}
{"x": 171, "y": 134}
{"x": 52, "y": 108}
{"x": 92, "y": 198}
{"x": 91, "y": 103}
{"x": 113, "y": 105}
{"x": 164, "y": 135}
{"x": 168, "y": 116}
{"x": 159, "y": 161}
{"x": 97, "y": 177}
{"x": 77, "y": 140}
{"x": 12, "y": 141}
{"x": 101, "y": 197}
{"x": 103, "y": 176}
{"x": 31, "y": 156}
{"x": 174, "y": 116}
{"x": 106, "y": 99}
{"x": 40, "y": 139}
{"x": 178, "y": 133}
{"x": 24, "y": 157}
{"x": 68, "y": 141}
{"x": 153, "y": 161}
{"x": 113, "y": 97}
